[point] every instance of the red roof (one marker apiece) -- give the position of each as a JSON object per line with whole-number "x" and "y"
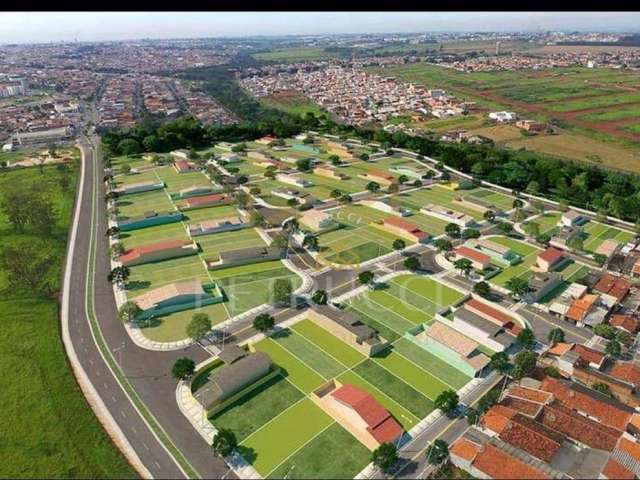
{"x": 626, "y": 371}
{"x": 551, "y": 255}
{"x": 496, "y": 315}
{"x": 380, "y": 174}
{"x": 606, "y": 412}
{"x": 205, "y": 199}
{"x": 615, "y": 286}
{"x": 614, "y": 470}
{"x": 405, "y": 225}
{"x": 498, "y": 464}
{"x": 472, "y": 254}
{"x": 137, "y": 252}
{"x": 380, "y": 423}
{"x": 532, "y": 437}
{"x": 182, "y": 165}
{"x": 629, "y": 323}
{"x": 588, "y": 354}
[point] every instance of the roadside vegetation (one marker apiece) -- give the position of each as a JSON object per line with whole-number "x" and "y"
{"x": 48, "y": 429}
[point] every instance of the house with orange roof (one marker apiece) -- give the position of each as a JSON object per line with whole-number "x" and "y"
{"x": 613, "y": 285}
{"x": 404, "y": 228}
{"x": 378, "y": 176}
{"x": 549, "y": 259}
{"x": 478, "y": 260}
{"x": 625, "y": 460}
{"x": 625, "y": 322}
{"x": 206, "y": 201}
{"x": 627, "y": 372}
{"x": 580, "y": 309}
{"x": 157, "y": 252}
{"x": 182, "y": 166}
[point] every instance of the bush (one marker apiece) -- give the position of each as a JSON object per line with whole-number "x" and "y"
{"x": 183, "y": 368}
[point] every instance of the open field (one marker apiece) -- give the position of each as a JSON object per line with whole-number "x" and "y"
{"x": 295, "y": 54}
{"x": 594, "y": 105}
{"x": 292, "y": 103}
{"x": 48, "y": 430}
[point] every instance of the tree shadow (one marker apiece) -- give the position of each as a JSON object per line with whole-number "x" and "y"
{"x": 248, "y": 453}
{"x": 138, "y": 284}
{"x": 123, "y": 203}
{"x": 150, "y": 322}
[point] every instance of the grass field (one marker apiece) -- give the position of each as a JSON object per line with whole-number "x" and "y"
{"x": 48, "y": 430}
{"x": 295, "y": 104}
{"x": 596, "y": 233}
{"x": 295, "y": 54}
{"x": 522, "y": 269}
{"x": 609, "y": 115}
{"x": 404, "y": 378}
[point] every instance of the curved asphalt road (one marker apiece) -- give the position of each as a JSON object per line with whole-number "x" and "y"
{"x": 147, "y": 371}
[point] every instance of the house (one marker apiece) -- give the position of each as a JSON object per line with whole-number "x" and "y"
{"x": 348, "y": 328}
{"x": 206, "y": 201}
{"x": 182, "y": 166}
{"x": 378, "y": 176}
{"x": 195, "y": 191}
{"x": 410, "y": 170}
{"x": 289, "y": 194}
{"x": 580, "y": 308}
{"x": 613, "y": 285}
{"x": 317, "y": 220}
{"x": 490, "y": 334}
{"x": 373, "y": 417}
{"x": 549, "y": 259}
{"x": 157, "y": 252}
{"x": 267, "y": 140}
{"x": 494, "y": 315}
{"x": 259, "y": 156}
{"x": 228, "y": 383}
{"x": 620, "y": 390}
{"x": 176, "y": 297}
{"x": 542, "y": 283}
{"x": 230, "y": 158}
{"x": 503, "y": 117}
{"x": 295, "y": 179}
{"x": 330, "y": 172}
{"x": 405, "y": 229}
{"x": 139, "y": 187}
{"x": 531, "y": 126}
{"x": 479, "y": 260}
{"x": 564, "y": 236}
{"x": 244, "y": 256}
{"x": 608, "y": 248}
{"x": 625, "y": 322}
{"x": 218, "y": 225}
{"x": 571, "y": 218}
{"x": 452, "y": 346}
{"x": 500, "y": 254}
{"x": 149, "y": 219}
{"x": 385, "y": 205}
{"x": 624, "y": 462}
{"x": 461, "y": 219}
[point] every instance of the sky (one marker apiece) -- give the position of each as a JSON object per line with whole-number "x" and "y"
{"x": 34, "y": 27}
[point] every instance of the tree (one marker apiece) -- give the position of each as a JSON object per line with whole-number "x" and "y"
{"x": 256, "y": 219}
{"x": 280, "y": 241}
{"x": 526, "y": 338}
{"x": 199, "y": 326}
{"x": 29, "y": 264}
{"x": 613, "y": 348}
{"x": 470, "y": 233}
{"x": 15, "y": 203}
{"x": 517, "y": 286}
{"x": 385, "y": 457}
{"x": 412, "y": 263}
{"x": 599, "y": 258}
{"x": 373, "y": 187}
{"x": 119, "y": 274}
{"x": 543, "y": 238}
{"x": 624, "y": 337}
{"x": 311, "y": 242}
{"x": 224, "y": 442}
{"x": 242, "y": 199}
{"x": 472, "y": 416}
{"x": 517, "y": 203}
{"x": 255, "y": 190}
{"x": 519, "y": 215}
{"x": 125, "y": 168}
{"x": 505, "y": 227}
{"x": 575, "y": 243}
{"x": 364, "y": 157}
{"x": 437, "y": 452}
{"x": 500, "y": 362}
{"x": 335, "y": 160}
{"x": 482, "y": 288}
{"x": 452, "y": 230}
{"x": 524, "y": 363}
{"x": 117, "y": 249}
{"x": 447, "y": 401}
{"x": 345, "y": 198}
{"x": 320, "y": 297}
{"x": 183, "y": 368}
{"x": 365, "y": 278}
{"x": 445, "y": 176}
{"x": 282, "y": 290}
{"x": 553, "y": 372}
{"x": 129, "y": 146}
{"x": 304, "y": 164}
{"x": 556, "y": 335}
{"x": 292, "y": 202}
{"x": 538, "y": 206}
{"x": 393, "y": 188}
{"x": 399, "y": 244}
{"x": 336, "y": 193}
{"x": 605, "y": 331}
{"x": 417, "y": 183}
{"x": 112, "y": 231}
{"x": 464, "y": 265}
{"x": 488, "y": 400}
{"x": 602, "y": 388}
{"x": 443, "y": 245}
{"x": 403, "y": 179}
{"x": 531, "y": 228}
{"x": 263, "y": 322}
{"x": 129, "y": 311}
{"x": 489, "y": 215}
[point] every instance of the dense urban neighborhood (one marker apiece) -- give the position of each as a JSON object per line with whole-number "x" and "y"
{"x": 332, "y": 256}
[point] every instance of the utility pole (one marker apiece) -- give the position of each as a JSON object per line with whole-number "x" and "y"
{"x": 119, "y": 350}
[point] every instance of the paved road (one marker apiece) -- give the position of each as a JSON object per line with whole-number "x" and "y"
{"x": 147, "y": 371}
{"x": 542, "y": 323}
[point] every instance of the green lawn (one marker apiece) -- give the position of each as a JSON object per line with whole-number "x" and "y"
{"x": 48, "y": 429}
{"x": 328, "y": 342}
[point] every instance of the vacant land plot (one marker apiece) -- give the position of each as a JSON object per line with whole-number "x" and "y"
{"x": 596, "y": 102}
{"x": 295, "y": 54}
{"x": 548, "y": 222}
{"x": 523, "y": 269}
{"x": 596, "y": 233}
{"x": 295, "y": 103}
{"x": 617, "y": 114}
{"x": 138, "y": 204}
{"x": 175, "y": 181}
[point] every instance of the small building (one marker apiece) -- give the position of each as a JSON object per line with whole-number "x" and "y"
{"x": 290, "y": 194}
{"x": 414, "y": 171}
{"x": 385, "y": 205}
{"x": 230, "y": 158}
{"x": 195, "y": 191}
{"x": 549, "y": 259}
{"x": 182, "y": 166}
{"x": 479, "y": 260}
{"x": 244, "y": 256}
{"x": 218, "y": 225}
{"x": 181, "y": 154}
{"x": 267, "y": 140}
{"x": 149, "y": 219}
{"x": 206, "y": 201}
{"x": 330, "y": 172}
{"x": 139, "y": 187}
{"x": 490, "y": 334}
{"x": 542, "y": 283}
{"x": 406, "y": 229}
{"x": 608, "y": 248}
{"x": 572, "y": 218}
{"x": 503, "y": 117}
{"x": 500, "y": 254}
{"x": 348, "y": 328}
{"x": 317, "y": 220}
{"x": 379, "y": 177}
{"x": 157, "y": 252}
{"x": 615, "y": 286}
{"x": 531, "y": 126}
{"x": 295, "y": 179}
{"x": 625, "y": 322}
{"x": 176, "y": 297}
{"x": 259, "y": 156}
{"x": 461, "y": 219}
{"x": 227, "y": 384}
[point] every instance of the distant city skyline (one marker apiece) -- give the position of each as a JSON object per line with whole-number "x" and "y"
{"x": 34, "y": 27}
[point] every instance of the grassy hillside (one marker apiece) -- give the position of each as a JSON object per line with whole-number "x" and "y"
{"x": 48, "y": 429}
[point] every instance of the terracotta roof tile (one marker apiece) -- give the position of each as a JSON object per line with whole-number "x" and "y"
{"x": 589, "y": 354}
{"x": 522, "y": 406}
{"x": 613, "y": 285}
{"x": 472, "y": 254}
{"x": 629, "y": 323}
{"x": 532, "y": 437}
{"x": 464, "y": 449}
{"x": 551, "y": 255}
{"x": 500, "y": 465}
{"x": 613, "y": 470}
{"x": 530, "y": 394}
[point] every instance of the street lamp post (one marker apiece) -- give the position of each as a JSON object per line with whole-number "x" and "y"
{"x": 119, "y": 350}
